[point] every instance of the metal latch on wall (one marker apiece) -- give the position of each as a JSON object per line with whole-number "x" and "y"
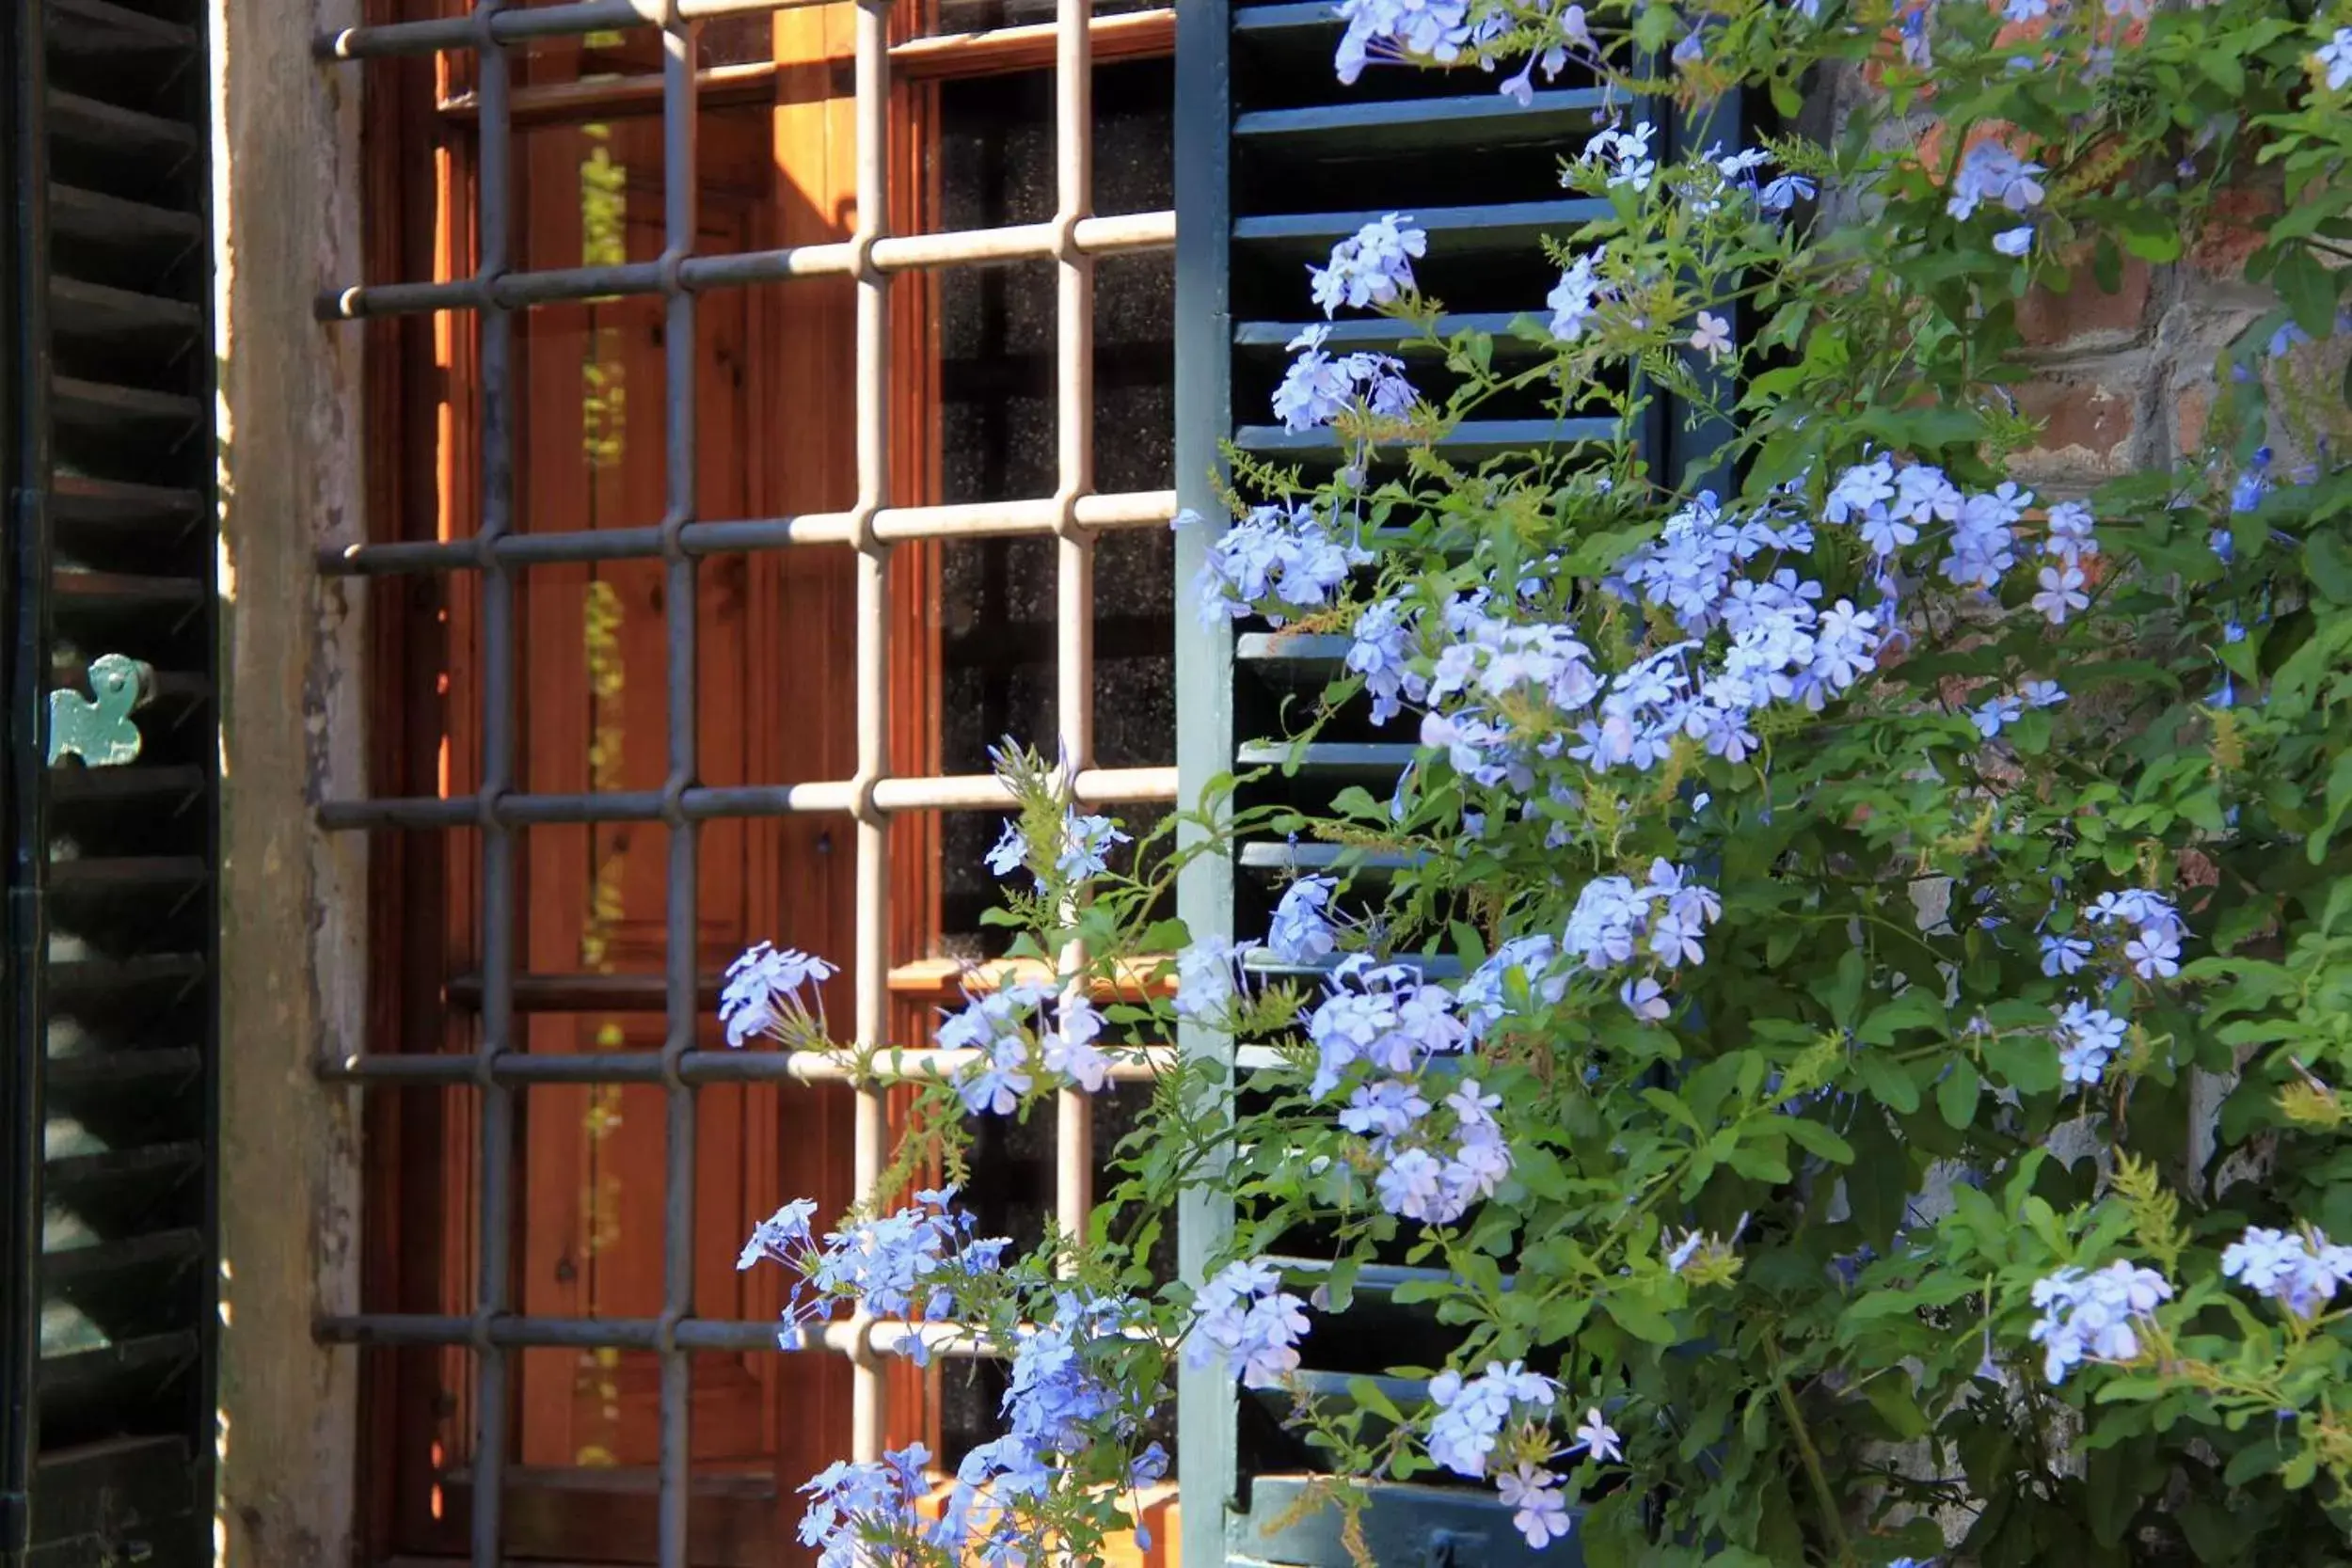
{"x": 98, "y": 728}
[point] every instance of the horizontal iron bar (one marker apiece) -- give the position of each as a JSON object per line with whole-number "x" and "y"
{"x": 961, "y": 792}
{"x": 972, "y": 521}
{"x": 896, "y": 1065}
{"x": 516, "y": 27}
{"x": 995, "y": 51}
{"x": 712, "y": 1334}
{"x": 1027, "y": 241}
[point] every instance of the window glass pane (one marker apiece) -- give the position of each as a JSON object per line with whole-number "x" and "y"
{"x": 978, "y": 16}
{"x": 998, "y": 436}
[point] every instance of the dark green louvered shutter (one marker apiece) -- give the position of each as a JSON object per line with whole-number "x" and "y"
{"x": 107, "y": 1105}
{"x": 1275, "y": 161}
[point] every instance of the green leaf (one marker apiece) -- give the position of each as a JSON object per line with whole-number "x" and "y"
{"x": 1888, "y": 1082}
{"x": 1878, "y": 1185}
{"x": 2338, "y": 801}
{"x": 1657, "y": 27}
{"x": 1916, "y": 1009}
{"x": 1367, "y": 1394}
{"x": 1956, "y": 1095}
{"x": 2027, "y": 1063}
{"x": 2308, "y": 290}
{"x": 1896, "y": 1407}
{"x": 1760, "y": 1161}
{"x": 1843, "y": 995}
{"x": 1639, "y": 1318}
{"x": 1816, "y": 1139}
{"x": 2328, "y": 564}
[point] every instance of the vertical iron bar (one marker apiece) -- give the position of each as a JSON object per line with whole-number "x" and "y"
{"x": 680, "y": 217}
{"x": 492, "y": 1370}
{"x": 872, "y": 956}
{"x": 1073, "y": 609}
{"x": 1205, "y": 1411}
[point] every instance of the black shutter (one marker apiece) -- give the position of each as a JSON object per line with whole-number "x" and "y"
{"x": 108, "y": 1250}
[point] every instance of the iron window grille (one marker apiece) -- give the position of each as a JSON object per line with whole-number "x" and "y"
{"x": 1072, "y": 515}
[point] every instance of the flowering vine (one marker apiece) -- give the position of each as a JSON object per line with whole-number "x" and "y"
{"x": 1837, "y": 1031}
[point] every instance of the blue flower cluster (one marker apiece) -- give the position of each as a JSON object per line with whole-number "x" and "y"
{"x": 1434, "y": 31}
{"x": 1301, "y": 930}
{"x": 1061, "y": 1402}
{"x": 1615, "y": 921}
{"x": 1019, "y": 1035}
{"x": 1485, "y": 995}
{"x": 1991, "y": 172}
{"x": 1248, "y": 1320}
{"x": 1499, "y": 1422}
{"x": 1084, "y": 851}
{"x": 1210, "y": 977}
{"x": 1277, "y": 556}
{"x": 858, "y": 1513}
{"x": 915, "y": 1264}
{"x": 2303, "y": 1270}
{"x": 2092, "y": 1314}
{"x": 2133, "y": 932}
{"x": 763, "y": 995}
{"x": 1318, "y": 387}
{"x": 2087, "y": 1038}
{"x": 1383, "y": 1016}
{"x": 1371, "y": 266}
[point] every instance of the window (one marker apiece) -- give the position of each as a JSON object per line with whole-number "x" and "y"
{"x": 770, "y": 437}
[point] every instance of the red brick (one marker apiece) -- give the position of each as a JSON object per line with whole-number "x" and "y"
{"x": 2089, "y": 423}
{"x": 2086, "y": 316}
{"x": 2232, "y": 231}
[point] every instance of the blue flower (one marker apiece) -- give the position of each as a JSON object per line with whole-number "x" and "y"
{"x": 1435, "y": 31}
{"x": 1540, "y": 1512}
{"x": 2063, "y": 954}
{"x": 1380, "y": 652}
{"x": 1209, "y": 977}
{"x": 1371, "y": 266}
{"x": 1575, "y": 297}
{"x": 1301, "y": 932}
{"x": 2061, "y": 594}
{"x": 1471, "y": 1413}
{"x": 1991, "y": 172}
{"x": 2304, "y": 1272}
{"x": 2014, "y": 242}
{"x": 1992, "y": 714}
{"x": 1085, "y": 843}
{"x": 1624, "y": 154}
{"x": 762, "y": 992}
{"x": 1779, "y": 194}
{"x": 2335, "y": 58}
{"x": 1318, "y": 388}
{"x": 2087, "y": 1038}
{"x": 1010, "y": 849}
{"x": 2090, "y": 1315}
{"x": 1248, "y": 1320}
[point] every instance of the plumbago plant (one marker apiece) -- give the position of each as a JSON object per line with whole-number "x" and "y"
{"x": 1855, "y": 1046}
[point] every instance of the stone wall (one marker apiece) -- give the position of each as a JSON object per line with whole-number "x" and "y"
{"x": 285, "y": 222}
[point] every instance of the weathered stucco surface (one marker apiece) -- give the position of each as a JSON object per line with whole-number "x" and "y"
{"x": 294, "y": 901}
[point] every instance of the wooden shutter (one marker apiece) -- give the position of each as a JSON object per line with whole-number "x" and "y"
{"x": 1275, "y": 161}
{"x": 107, "y": 1105}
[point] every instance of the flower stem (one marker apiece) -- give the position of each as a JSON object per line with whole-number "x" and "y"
{"x": 1831, "y": 1518}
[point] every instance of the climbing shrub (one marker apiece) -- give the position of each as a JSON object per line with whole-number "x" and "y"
{"x": 1845, "y": 1010}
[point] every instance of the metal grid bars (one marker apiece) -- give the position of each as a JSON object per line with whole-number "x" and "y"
{"x": 498, "y": 548}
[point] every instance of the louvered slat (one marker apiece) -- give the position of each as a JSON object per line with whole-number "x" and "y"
{"x": 119, "y": 378}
